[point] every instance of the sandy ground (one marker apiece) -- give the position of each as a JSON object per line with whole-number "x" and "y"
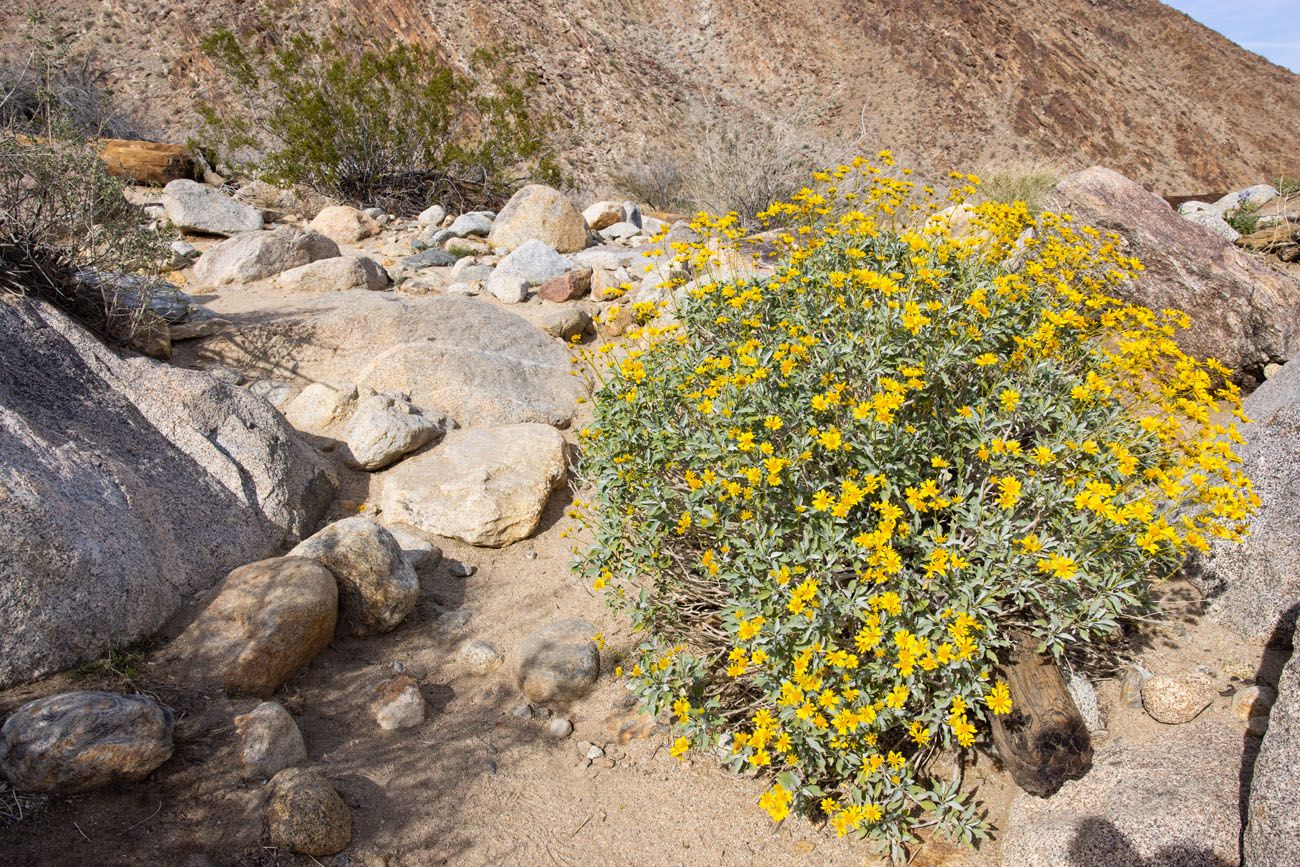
{"x": 477, "y": 783}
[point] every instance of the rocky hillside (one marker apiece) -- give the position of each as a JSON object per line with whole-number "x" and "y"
{"x": 1129, "y": 83}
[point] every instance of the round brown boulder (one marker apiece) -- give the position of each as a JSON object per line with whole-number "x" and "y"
{"x": 268, "y": 619}
{"x": 78, "y": 741}
{"x": 305, "y": 814}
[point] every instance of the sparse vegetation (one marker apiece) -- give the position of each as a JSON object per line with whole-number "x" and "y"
{"x": 1028, "y": 182}
{"x": 48, "y": 92}
{"x": 397, "y": 128}
{"x": 60, "y": 213}
{"x": 62, "y": 216}
{"x": 660, "y": 181}
{"x": 827, "y": 499}
{"x": 729, "y": 171}
{"x": 1245, "y": 219}
{"x": 1287, "y": 186}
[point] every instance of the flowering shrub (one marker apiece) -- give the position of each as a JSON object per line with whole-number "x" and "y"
{"x": 825, "y": 497}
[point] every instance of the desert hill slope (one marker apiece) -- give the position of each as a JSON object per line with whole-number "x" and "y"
{"x": 1130, "y": 83}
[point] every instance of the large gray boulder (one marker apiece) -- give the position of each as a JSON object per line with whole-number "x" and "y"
{"x": 1169, "y": 801}
{"x": 1244, "y": 312}
{"x": 123, "y": 480}
{"x": 259, "y": 255}
{"x": 1272, "y": 837}
{"x": 484, "y": 486}
{"x": 476, "y": 362}
{"x": 193, "y": 207}
{"x": 77, "y": 741}
{"x": 539, "y": 213}
{"x": 1256, "y": 582}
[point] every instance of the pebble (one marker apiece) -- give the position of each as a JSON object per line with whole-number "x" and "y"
{"x": 559, "y": 728}
{"x": 1130, "y": 692}
{"x": 594, "y": 752}
{"x": 461, "y": 570}
{"x": 523, "y": 710}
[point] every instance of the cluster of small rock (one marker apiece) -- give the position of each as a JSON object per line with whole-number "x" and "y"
{"x": 267, "y": 621}
{"x": 1277, "y": 220}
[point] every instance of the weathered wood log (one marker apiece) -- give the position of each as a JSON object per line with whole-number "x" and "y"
{"x": 146, "y": 162}
{"x": 1043, "y": 741}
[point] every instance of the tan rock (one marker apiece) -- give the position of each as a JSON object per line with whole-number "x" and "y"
{"x": 377, "y": 586}
{"x": 344, "y": 225}
{"x": 267, "y": 620}
{"x": 305, "y": 814}
{"x": 564, "y": 321}
{"x": 398, "y": 703}
{"x": 269, "y": 741}
{"x": 484, "y": 486}
{"x": 559, "y": 663}
{"x": 602, "y": 215}
{"x": 384, "y": 429}
{"x": 323, "y": 405}
{"x": 256, "y": 256}
{"x": 538, "y": 212}
{"x": 337, "y": 274}
{"x": 1177, "y": 699}
{"x": 1255, "y": 700}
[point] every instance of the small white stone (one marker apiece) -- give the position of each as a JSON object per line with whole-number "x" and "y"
{"x": 399, "y": 704}
{"x": 559, "y": 728}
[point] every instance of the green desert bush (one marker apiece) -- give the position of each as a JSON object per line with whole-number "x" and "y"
{"x": 827, "y": 498}
{"x": 1245, "y": 218}
{"x": 396, "y": 128}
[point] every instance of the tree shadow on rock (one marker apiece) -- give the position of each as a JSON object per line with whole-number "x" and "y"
{"x": 1098, "y": 843}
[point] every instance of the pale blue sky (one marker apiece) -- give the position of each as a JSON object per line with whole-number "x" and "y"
{"x": 1267, "y": 27}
